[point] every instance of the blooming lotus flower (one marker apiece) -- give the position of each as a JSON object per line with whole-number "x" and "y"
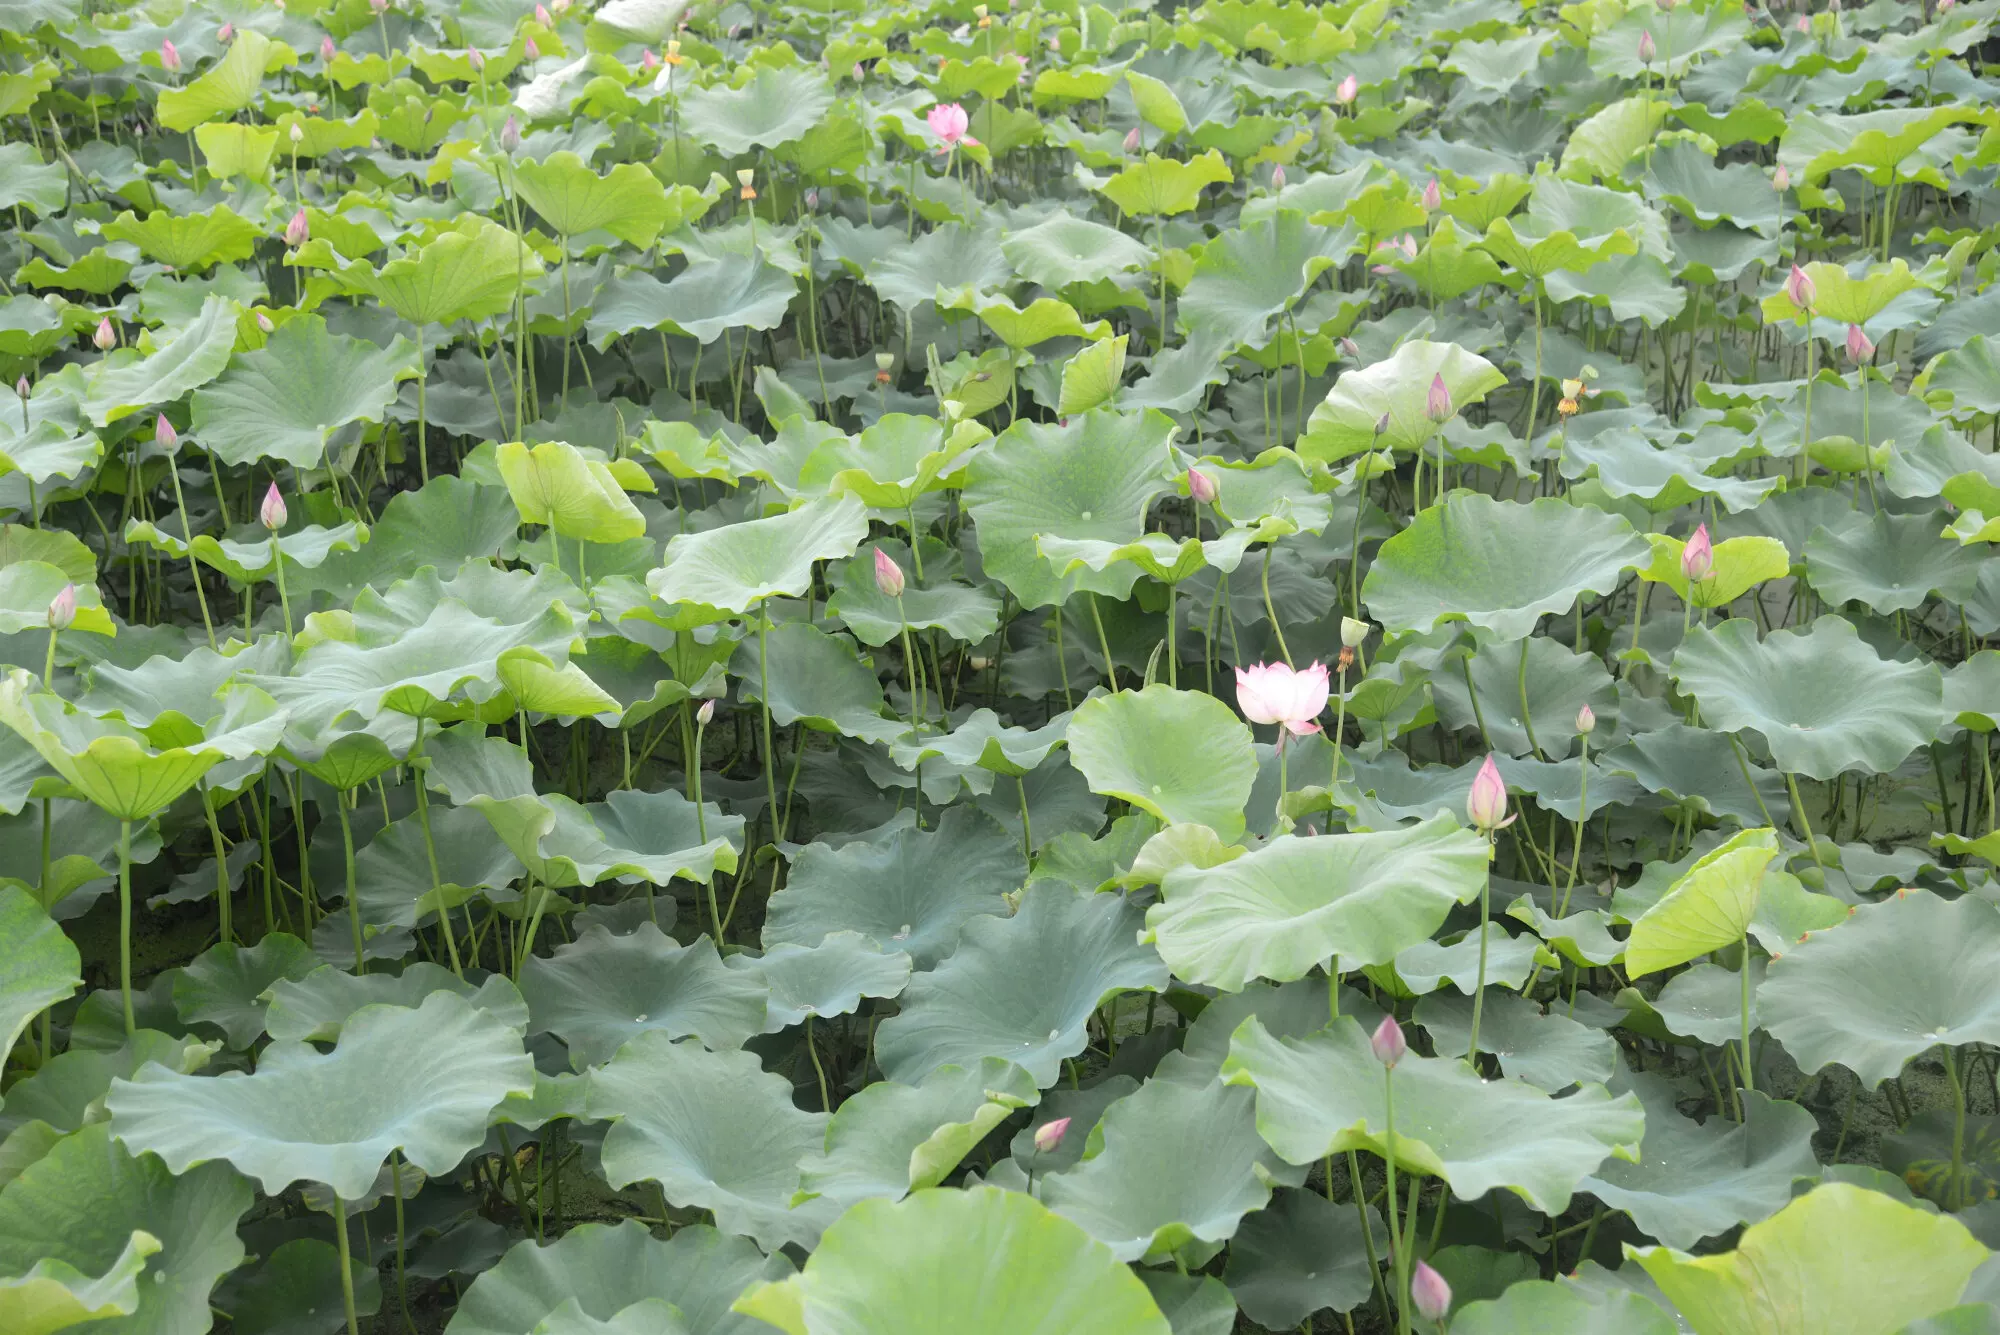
{"x": 1275, "y": 693}
{"x": 1859, "y": 347}
{"x": 1202, "y": 487}
{"x": 888, "y": 575}
{"x": 170, "y": 56}
{"x": 1437, "y": 406}
{"x": 106, "y": 335}
{"x": 1433, "y": 196}
{"x": 1049, "y": 1135}
{"x": 1800, "y": 287}
{"x": 1348, "y": 89}
{"x": 62, "y": 608}
{"x": 271, "y": 514}
{"x": 1646, "y": 48}
{"x": 1430, "y": 1295}
{"x": 1388, "y": 1043}
{"x": 1486, "y": 804}
{"x": 948, "y": 122}
{"x": 164, "y": 434}
{"x": 1698, "y": 557}
{"x": 1586, "y": 721}
{"x": 298, "y": 230}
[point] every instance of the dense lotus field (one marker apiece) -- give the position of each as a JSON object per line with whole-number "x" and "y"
{"x": 949, "y": 669}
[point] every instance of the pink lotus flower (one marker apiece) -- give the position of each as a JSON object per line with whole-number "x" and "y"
{"x": 1486, "y": 804}
{"x": 1202, "y": 487}
{"x": 1348, "y": 89}
{"x": 170, "y": 57}
{"x": 62, "y": 608}
{"x": 1698, "y": 557}
{"x": 1278, "y": 176}
{"x": 298, "y": 230}
{"x": 648, "y": 62}
{"x": 1388, "y": 1042}
{"x": 888, "y": 575}
{"x": 1437, "y": 405}
{"x": 1049, "y": 1135}
{"x": 271, "y": 514}
{"x": 1433, "y": 196}
{"x": 164, "y": 434}
{"x": 1586, "y": 721}
{"x": 1132, "y": 140}
{"x": 1859, "y": 347}
{"x": 948, "y": 122}
{"x": 530, "y": 51}
{"x": 106, "y": 335}
{"x": 1429, "y": 1294}
{"x": 543, "y": 17}
{"x": 1803, "y": 24}
{"x": 1800, "y": 288}
{"x": 1646, "y": 48}
{"x": 1781, "y": 179}
{"x": 1274, "y": 693}
{"x": 225, "y": 32}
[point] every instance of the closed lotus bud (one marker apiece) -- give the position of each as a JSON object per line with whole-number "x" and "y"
{"x": 1437, "y": 406}
{"x": 1800, "y": 287}
{"x": 1944, "y": 6}
{"x": 272, "y": 514}
{"x": 858, "y": 72}
{"x": 1202, "y": 487}
{"x": 1433, "y": 196}
{"x": 543, "y": 17}
{"x": 1486, "y": 804}
{"x": 1352, "y": 632}
{"x": 62, "y": 608}
{"x": 1781, "y": 179}
{"x": 326, "y": 48}
{"x": 225, "y": 32}
{"x": 510, "y": 137}
{"x": 106, "y": 337}
{"x": 379, "y": 6}
{"x": 648, "y": 62}
{"x": 1347, "y": 90}
{"x": 475, "y": 58}
{"x": 1429, "y": 1294}
{"x": 1350, "y": 349}
{"x": 1382, "y": 425}
{"x": 22, "y": 387}
{"x": 706, "y": 714}
{"x": 888, "y": 575}
{"x": 1666, "y": 6}
{"x": 164, "y": 434}
{"x": 530, "y": 51}
{"x": 297, "y": 133}
{"x": 264, "y": 322}
{"x": 298, "y": 230}
{"x": 1388, "y": 1043}
{"x": 170, "y": 57}
{"x": 1646, "y": 48}
{"x": 1698, "y": 557}
{"x": 1803, "y": 24}
{"x": 1859, "y": 348}
{"x": 812, "y": 200}
{"x": 1049, "y": 1135}
{"x": 1278, "y": 176}
{"x": 1132, "y": 140}
{"x": 1586, "y": 721}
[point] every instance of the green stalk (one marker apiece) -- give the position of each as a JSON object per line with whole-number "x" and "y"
{"x": 1805, "y": 821}
{"x": 1527, "y": 719}
{"x": 1479, "y": 993}
{"x": 125, "y": 924}
{"x": 340, "y": 796}
{"x": 284, "y": 600}
{"x": 430, "y": 848}
{"x": 187, "y": 538}
{"x": 1399, "y": 1253}
{"x": 1271, "y": 611}
{"x": 215, "y": 842}
{"x": 1582, "y": 810}
{"x": 1749, "y": 1080}
{"x": 764, "y": 703}
{"x": 1957, "y": 1199}
{"x": 346, "y": 1265}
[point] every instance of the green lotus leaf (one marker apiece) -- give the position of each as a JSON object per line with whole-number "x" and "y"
{"x": 539, "y": 686}
{"x": 1696, "y": 1180}
{"x": 1875, "y": 143}
{"x": 703, "y": 301}
{"x": 628, "y": 201}
{"x": 317, "y": 1006}
{"x": 716, "y": 1130}
{"x": 817, "y": 679}
{"x": 1429, "y": 965}
{"x": 302, "y": 549}
{"x": 189, "y": 242}
{"x": 1709, "y": 907}
{"x": 54, "y": 1295}
{"x": 1025, "y": 326}
{"x": 1247, "y": 277}
{"x": 1532, "y": 1307}
{"x": 1399, "y": 388}
{"x": 891, "y": 1139}
{"x": 978, "y": 1262}
{"x": 1549, "y": 1051}
{"x": 49, "y": 449}
{"x": 1853, "y": 295}
{"x": 1173, "y": 1165}
{"x": 287, "y": 399}
{"x": 109, "y": 762}
{"x": 222, "y": 985}
{"x": 28, "y": 587}
{"x": 607, "y": 1268}
{"x": 773, "y": 106}
{"x": 1969, "y": 374}
{"x": 1698, "y": 768}
{"x": 68, "y": 1093}
{"x": 1092, "y": 377}
{"x": 42, "y": 186}
{"x": 1796, "y": 690}
{"x": 296, "y": 1290}
{"x": 1323, "y": 1094}
{"x": 1604, "y": 142}
{"x": 392, "y": 874}
{"x": 1741, "y": 564}
{"x": 1161, "y": 187}
{"x": 894, "y": 460}
{"x": 1559, "y": 683}
{"x": 915, "y": 891}
{"x": 80, "y": 1205}
{"x": 599, "y": 990}
{"x": 469, "y": 271}
{"x": 1281, "y": 910}
{"x": 562, "y": 487}
{"x": 1896, "y": 979}
{"x": 1092, "y": 479}
{"x": 324, "y": 1117}
{"x": 825, "y": 980}
{"x": 127, "y": 382}
{"x": 1181, "y": 755}
{"x": 446, "y": 524}
{"x": 39, "y": 966}
{"x": 1838, "y": 1258}
{"x": 1066, "y": 249}
{"x": 965, "y": 613}
{"x": 982, "y": 740}
{"x": 228, "y": 86}
{"x": 633, "y": 836}
{"x": 1627, "y": 463}
{"x": 1892, "y": 563}
{"x": 1023, "y": 988}
{"x": 1299, "y": 1255}
{"x": 734, "y": 568}
{"x": 1683, "y": 175}
{"x": 1497, "y": 564}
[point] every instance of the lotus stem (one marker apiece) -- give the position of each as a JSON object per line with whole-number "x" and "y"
{"x": 1957, "y": 1198}
{"x": 1582, "y": 813}
{"x": 402, "y": 1275}
{"x": 215, "y": 842}
{"x": 340, "y": 798}
{"x": 1339, "y": 731}
{"x": 187, "y": 540}
{"x": 1749, "y": 1078}
{"x": 812, "y": 1050}
{"x": 1027, "y": 831}
{"x": 1805, "y": 821}
{"x": 1173, "y": 653}
{"x": 284, "y": 599}
{"x": 1103, "y": 644}
{"x": 430, "y": 848}
{"x": 764, "y": 702}
{"x": 1479, "y": 992}
{"x": 1399, "y": 1251}
{"x": 346, "y": 1263}
{"x": 1527, "y": 718}
{"x": 1271, "y": 610}
{"x": 125, "y": 925}
{"x": 49, "y": 663}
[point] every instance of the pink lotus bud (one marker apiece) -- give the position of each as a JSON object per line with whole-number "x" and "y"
{"x": 1698, "y": 557}
{"x": 812, "y": 200}
{"x": 271, "y": 514}
{"x": 264, "y": 322}
{"x": 530, "y": 51}
{"x": 1646, "y": 48}
{"x": 22, "y": 387}
{"x": 706, "y": 714}
{"x": 225, "y": 32}
{"x": 62, "y": 608}
{"x": 1859, "y": 349}
{"x": 326, "y": 49}
{"x": 1382, "y": 425}
{"x": 859, "y": 73}
{"x": 106, "y": 337}
{"x": 510, "y": 137}
{"x": 1049, "y": 1135}
{"x": 1944, "y": 6}
{"x": 1428, "y": 1292}
{"x": 1278, "y": 176}
{"x": 1349, "y": 349}
{"x": 298, "y": 231}
{"x": 1202, "y": 487}
{"x": 1438, "y": 405}
{"x": 475, "y": 58}
{"x": 297, "y": 134}
{"x": 888, "y": 575}
{"x": 170, "y": 56}
{"x": 1665, "y": 6}
{"x": 1388, "y": 1042}
{"x": 1274, "y": 693}
{"x": 1348, "y": 89}
{"x": 379, "y": 6}
{"x": 1409, "y": 246}
{"x": 1800, "y": 288}
{"x": 648, "y": 62}
{"x": 543, "y": 17}
{"x": 1781, "y": 179}
{"x": 1132, "y": 140}
{"x": 1586, "y": 721}
{"x": 1433, "y": 196}
{"x": 1486, "y": 804}
{"x": 948, "y": 122}
{"x": 164, "y": 434}
{"x": 1803, "y": 24}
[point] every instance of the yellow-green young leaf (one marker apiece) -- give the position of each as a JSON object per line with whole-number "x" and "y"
{"x": 1024, "y": 326}
{"x": 321, "y": 136}
{"x": 557, "y": 485}
{"x": 230, "y": 86}
{"x": 1843, "y": 296}
{"x": 628, "y": 201}
{"x": 1709, "y": 907}
{"x": 540, "y": 687}
{"x": 467, "y": 272}
{"x": 1157, "y": 104}
{"x": 187, "y": 241}
{"x": 27, "y": 588}
{"x": 1740, "y": 565}
{"x": 1160, "y": 187}
{"x": 237, "y": 150}
{"x": 1603, "y": 144}
{"x": 1091, "y": 378}
{"x": 55, "y": 1295}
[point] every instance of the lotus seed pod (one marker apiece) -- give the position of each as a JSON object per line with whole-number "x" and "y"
{"x": 1352, "y": 632}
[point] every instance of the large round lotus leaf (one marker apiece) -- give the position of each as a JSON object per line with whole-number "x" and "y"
{"x": 651, "y": 1317}
{"x": 1705, "y": 1002}
{"x": 984, "y": 741}
{"x": 125, "y": 383}
{"x": 68, "y": 1092}
{"x": 80, "y": 1204}
{"x": 1178, "y": 1162}
{"x": 1399, "y": 388}
{"x": 1298, "y": 1255}
{"x": 1023, "y": 988}
{"x": 628, "y": 201}
{"x": 1429, "y": 965}
{"x": 735, "y": 567}
{"x": 1797, "y": 689}
{"x": 317, "y": 1006}
{"x": 1067, "y": 249}
{"x": 559, "y": 486}
{"x": 912, "y": 892}
{"x": 824, "y": 980}
{"x": 1249, "y": 275}
{"x": 1094, "y": 478}
{"x": 39, "y": 965}
{"x": 1323, "y": 1094}
{"x": 1892, "y": 563}
{"x": 716, "y": 1130}
{"x": 296, "y": 1291}
{"x": 632, "y": 836}
{"x": 1499, "y": 565}
{"x": 53, "y": 1295}
{"x": 1895, "y": 980}
{"x": 599, "y": 990}
{"x": 27, "y": 588}
{"x": 1549, "y": 1051}
{"x": 111, "y": 764}
{"x": 816, "y": 679}
{"x": 1559, "y": 683}
{"x": 1698, "y": 768}
{"x": 938, "y": 602}
{"x": 329, "y": 1117}
{"x": 1538, "y": 1307}
{"x": 1696, "y": 1179}
{"x": 1184, "y": 756}
{"x": 774, "y": 106}
{"x": 1281, "y": 910}
{"x": 1626, "y": 462}
{"x": 1839, "y": 1258}
{"x": 704, "y": 301}
{"x": 607, "y": 1268}
{"x": 978, "y": 1262}
{"x": 392, "y": 874}
{"x": 469, "y": 271}
{"x": 223, "y": 985}
{"x": 890, "y": 1139}
{"x": 1710, "y": 906}
{"x": 286, "y": 399}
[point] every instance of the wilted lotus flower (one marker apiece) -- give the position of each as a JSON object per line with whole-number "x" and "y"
{"x": 530, "y": 51}
{"x": 673, "y": 54}
{"x": 1428, "y": 1292}
{"x": 164, "y": 434}
{"x": 1698, "y": 557}
{"x": 1049, "y": 1135}
{"x": 1408, "y": 246}
{"x": 543, "y": 17}
{"x": 1274, "y": 693}
{"x": 888, "y": 575}
{"x": 648, "y": 62}
{"x": 170, "y": 56}
{"x": 1586, "y": 721}
{"x": 1571, "y": 399}
{"x": 326, "y": 48}
{"x": 272, "y": 514}
{"x": 1388, "y": 1043}
{"x": 1486, "y": 804}
{"x": 106, "y": 337}
{"x": 1781, "y": 179}
{"x": 1202, "y": 487}
{"x": 1800, "y": 288}
{"x": 1348, "y": 89}
{"x": 1859, "y": 348}
{"x": 1132, "y": 140}
{"x": 1277, "y": 176}
{"x": 510, "y": 137}
{"x": 62, "y": 608}
{"x": 1437, "y": 406}
{"x": 298, "y": 230}
{"x": 885, "y": 365}
{"x": 948, "y": 122}
{"x": 1646, "y": 49}
{"x": 225, "y": 32}
{"x": 1433, "y": 196}
{"x": 706, "y": 714}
